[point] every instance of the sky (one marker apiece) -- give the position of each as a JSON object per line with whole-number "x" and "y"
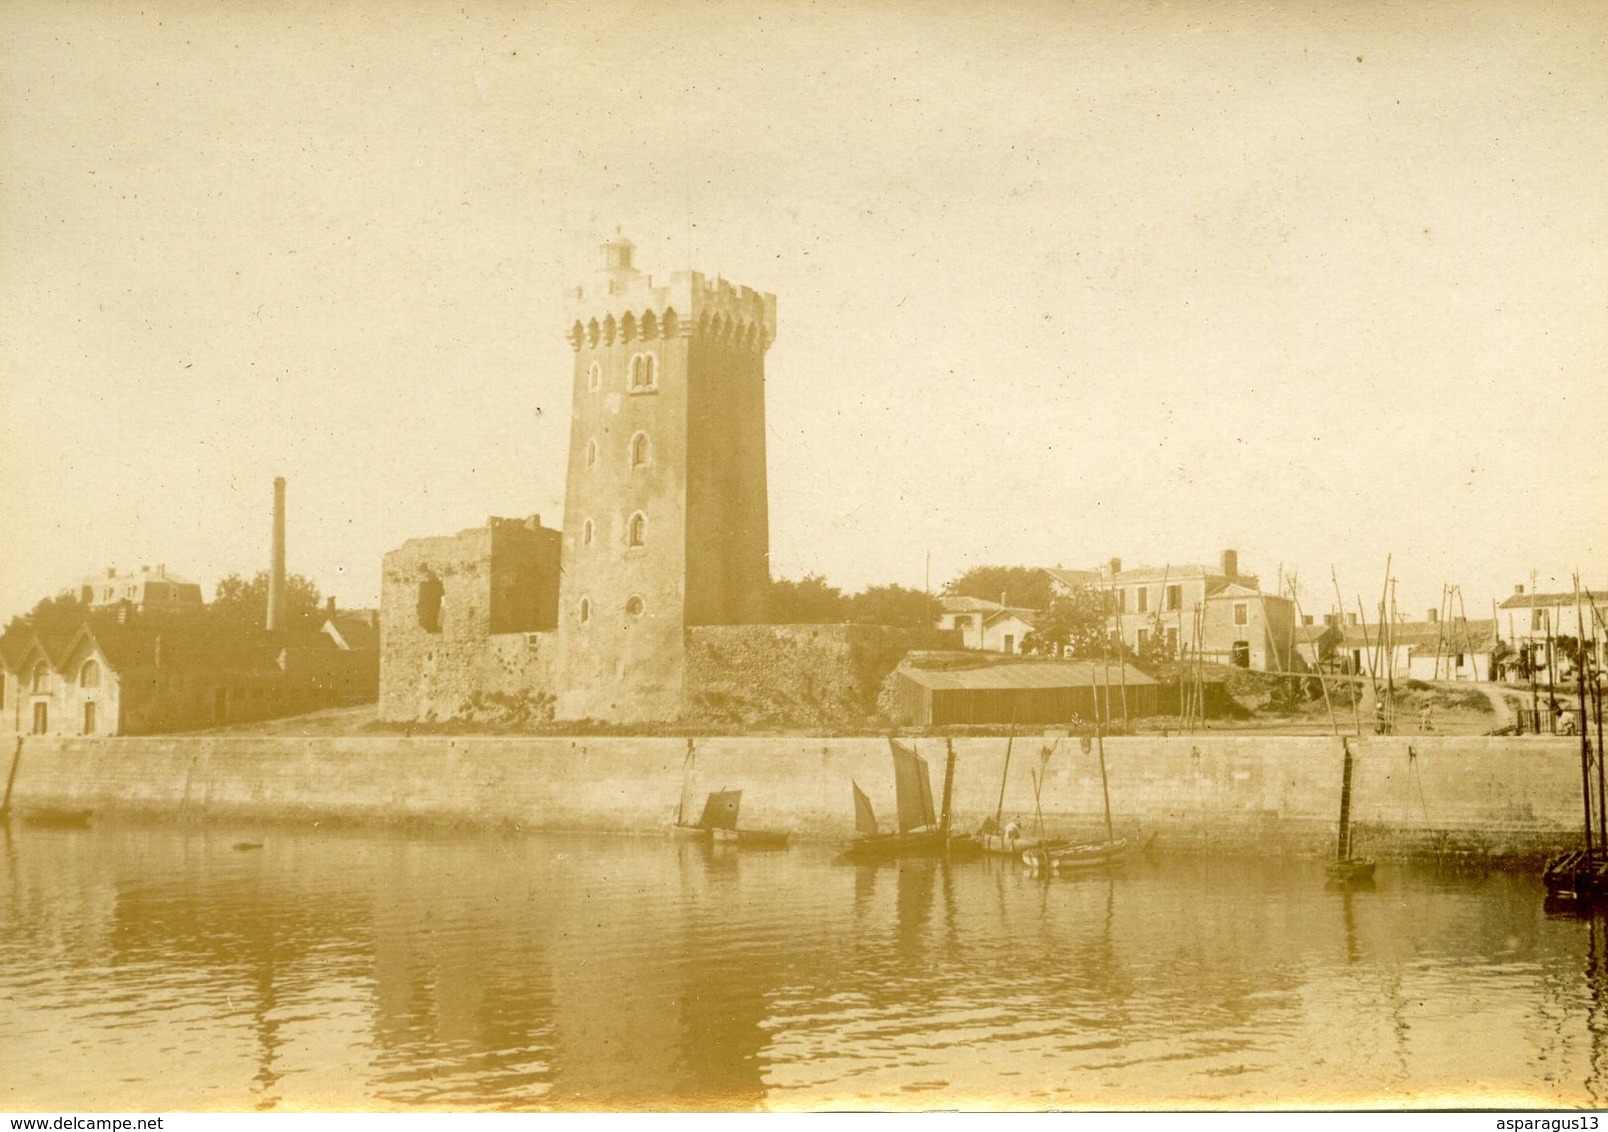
{"x": 1057, "y": 282}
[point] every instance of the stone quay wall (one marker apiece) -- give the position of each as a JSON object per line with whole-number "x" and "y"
{"x": 1511, "y": 798}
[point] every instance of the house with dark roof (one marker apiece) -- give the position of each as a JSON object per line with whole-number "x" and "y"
{"x": 141, "y": 678}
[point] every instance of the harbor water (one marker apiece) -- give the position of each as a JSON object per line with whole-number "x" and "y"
{"x": 147, "y": 966}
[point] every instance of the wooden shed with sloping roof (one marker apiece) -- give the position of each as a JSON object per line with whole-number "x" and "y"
{"x": 1028, "y": 693}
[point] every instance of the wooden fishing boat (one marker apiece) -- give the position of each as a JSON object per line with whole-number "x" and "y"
{"x": 920, "y": 832}
{"x": 1065, "y": 856}
{"x": 717, "y": 824}
{"x": 1346, "y": 870}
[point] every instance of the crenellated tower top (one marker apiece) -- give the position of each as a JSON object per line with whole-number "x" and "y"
{"x": 624, "y": 304}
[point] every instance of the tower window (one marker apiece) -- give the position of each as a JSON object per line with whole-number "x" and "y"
{"x": 638, "y": 530}
{"x": 89, "y": 675}
{"x": 586, "y": 610}
{"x": 634, "y": 605}
{"x": 644, "y": 373}
{"x": 586, "y": 533}
{"x": 431, "y": 594}
{"x": 591, "y": 453}
{"x": 594, "y": 377}
{"x": 641, "y": 451}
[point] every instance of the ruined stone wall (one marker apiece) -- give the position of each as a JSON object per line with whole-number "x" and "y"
{"x": 798, "y": 675}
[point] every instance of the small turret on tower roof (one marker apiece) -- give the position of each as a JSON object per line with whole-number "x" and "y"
{"x": 616, "y": 265}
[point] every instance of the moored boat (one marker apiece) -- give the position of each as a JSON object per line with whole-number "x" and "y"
{"x": 1058, "y": 856}
{"x": 920, "y": 833}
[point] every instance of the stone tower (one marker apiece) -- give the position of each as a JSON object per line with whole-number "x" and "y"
{"x": 665, "y": 516}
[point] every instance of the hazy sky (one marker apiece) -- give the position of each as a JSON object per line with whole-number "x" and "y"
{"x": 1056, "y": 281}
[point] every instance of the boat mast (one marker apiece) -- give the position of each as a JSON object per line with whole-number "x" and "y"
{"x": 1584, "y": 727}
{"x": 1345, "y": 802}
{"x": 1355, "y": 685}
{"x": 686, "y": 774}
{"x": 949, "y": 785}
{"x": 999, "y": 810}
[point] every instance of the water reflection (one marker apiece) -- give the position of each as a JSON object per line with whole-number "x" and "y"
{"x": 144, "y": 967}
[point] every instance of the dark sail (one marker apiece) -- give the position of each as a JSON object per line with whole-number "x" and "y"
{"x": 864, "y": 820}
{"x": 912, "y": 788}
{"x": 720, "y": 810}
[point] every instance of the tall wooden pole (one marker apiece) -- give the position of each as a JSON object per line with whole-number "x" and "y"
{"x": 1340, "y": 612}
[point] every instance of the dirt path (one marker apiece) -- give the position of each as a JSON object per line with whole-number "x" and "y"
{"x": 1499, "y": 704}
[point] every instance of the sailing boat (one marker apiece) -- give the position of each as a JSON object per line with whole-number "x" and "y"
{"x": 718, "y": 822}
{"x": 1346, "y": 869}
{"x": 920, "y": 833}
{"x": 1059, "y": 856}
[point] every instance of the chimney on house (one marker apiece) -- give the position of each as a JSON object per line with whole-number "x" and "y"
{"x": 1116, "y": 567}
{"x": 329, "y": 606}
{"x": 276, "y": 570}
{"x": 1230, "y": 563}
{"x": 1434, "y": 616}
{"x": 1518, "y": 590}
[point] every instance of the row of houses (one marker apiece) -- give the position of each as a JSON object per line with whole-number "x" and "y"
{"x": 1211, "y": 611}
{"x": 141, "y": 676}
{"x": 1222, "y": 615}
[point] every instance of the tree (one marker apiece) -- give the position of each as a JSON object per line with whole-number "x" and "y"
{"x": 894, "y": 605}
{"x": 50, "y": 616}
{"x": 239, "y": 604}
{"x": 810, "y": 600}
{"x": 1074, "y": 626}
{"x": 1156, "y": 650}
{"x": 1024, "y": 587}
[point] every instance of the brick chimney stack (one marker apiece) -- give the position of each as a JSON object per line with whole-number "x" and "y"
{"x": 276, "y": 570}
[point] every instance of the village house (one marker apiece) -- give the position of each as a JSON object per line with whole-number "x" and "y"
{"x": 1535, "y": 621}
{"x": 140, "y": 678}
{"x": 1215, "y": 612}
{"x": 148, "y": 591}
{"x": 986, "y": 625}
{"x": 1432, "y": 649}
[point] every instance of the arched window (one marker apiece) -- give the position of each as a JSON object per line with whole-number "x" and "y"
{"x": 634, "y": 605}
{"x": 594, "y": 377}
{"x": 637, "y": 532}
{"x": 591, "y": 453}
{"x": 41, "y": 677}
{"x": 89, "y": 675}
{"x": 586, "y": 610}
{"x": 644, "y": 373}
{"x": 641, "y": 451}
{"x": 586, "y": 533}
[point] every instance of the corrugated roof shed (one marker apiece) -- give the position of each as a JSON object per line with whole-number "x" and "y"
{"x": 1046, "y": 674}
